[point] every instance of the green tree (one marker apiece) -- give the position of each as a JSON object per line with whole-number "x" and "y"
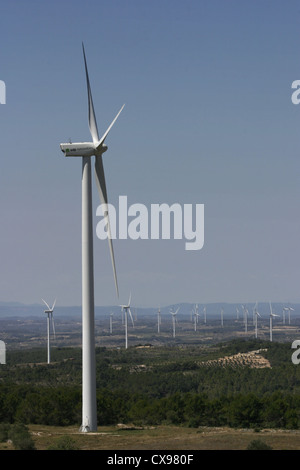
{"x": 21, "y": 437}
{"x": 257, "y": 444}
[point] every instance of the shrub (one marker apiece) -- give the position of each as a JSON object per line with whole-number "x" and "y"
{"x": 64, "y": 443}
{"x": 257, "y": 444}
{"x": 4, "y": 430}
{"x": 21, "y": 438}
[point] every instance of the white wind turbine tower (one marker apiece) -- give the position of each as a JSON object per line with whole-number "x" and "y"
{"x": 245, "y": 317}
{"x": 158, "y": 320}
{"x": 196, "y": 316}
{"x": 86, "y": 150}
{"x": 256, "y": 313}
{"x": 253, "y": 313}
{"x": 204, "y": 314}
{"x": 222, "y": 316}
{"x": 111, "y": 322}
{"x": 126, "y": 308}
{"x": 290, "y": 309}
{"x": 271, "y": 321}
{"x": 285, "y": 309}
{"x": 49, "y": 312}
{"x": 196, "y": 312}
{"x": 174, "y": 321}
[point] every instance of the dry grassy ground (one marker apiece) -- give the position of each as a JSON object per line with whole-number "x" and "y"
{"x": 163, "y": 438}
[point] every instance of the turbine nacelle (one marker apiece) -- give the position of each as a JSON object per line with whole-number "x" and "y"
{"x": 82, "y": 149}
{"x": 174, "y": 313}
{"x": 49, "y": 310}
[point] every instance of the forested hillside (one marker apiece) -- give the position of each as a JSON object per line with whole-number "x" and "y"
{"x": 147, "y": 385}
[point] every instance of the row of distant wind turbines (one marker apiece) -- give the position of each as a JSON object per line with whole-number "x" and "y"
{"x": 49, "y": 312}
{"x": 194, "y": 317}
{"x": 256, "y": 314}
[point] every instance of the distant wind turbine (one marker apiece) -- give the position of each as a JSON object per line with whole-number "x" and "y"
{"x": 204, "y": 315}
{"x": 196, "y": 316}
{"x": 256, "y": 313}
{"x": 158, "y": 320}
{"x": 245, "y": 317}
{"x": 49, "y": 312}
{"x": 222, "y": 316}
{"x": 174, "y": 321}
{"x": 285, "y": 309}
{"x": 196, "y": 311}
{"x": 253, "y": 313}
{"x": 86, "y": 150}
{"x": 290, "y": 309}
{"x": 126, "y": 309}
{"x": 272, "y": 315}
{"x": 111, "y": 322}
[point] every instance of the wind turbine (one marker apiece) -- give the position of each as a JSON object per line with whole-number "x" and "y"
{"x": 204, "y": 313}
{"x": 126, "y": 308}
{"x": 256, "y": 313}
{"x": 174, "y": 321}
{"x": 111, "y": 321}
{"x": 253, "y": 313}
{"x": 222, "y": 316}
{"x": 49, "y": 312}
{"x": 196, "y": 316}
{"x": 245, "y": 317}
{"x": 158, "y": 320}
{"x": 271, "y": 321}
{"x": 290, "y": 309}
{"x": 196, "y": 312}
{"x": 86, "y": 150}
{"x": 285, "y": 309}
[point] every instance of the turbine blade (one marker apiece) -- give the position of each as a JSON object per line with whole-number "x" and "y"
{"x": 101, "y": 186}
{"x": 46, "y": 304}
{"x": 92, "y": 117}
{"x": 271, "y": 308}
{"x": 53, "y": 327}
{"x": 129, "y": 299}
{"x": 53, "y": 305}
{"x": 131, "y": 317}
{"x": 101, "y": 141}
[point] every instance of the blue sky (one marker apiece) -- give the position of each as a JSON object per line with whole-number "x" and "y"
{"x": 208, "y": 120}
